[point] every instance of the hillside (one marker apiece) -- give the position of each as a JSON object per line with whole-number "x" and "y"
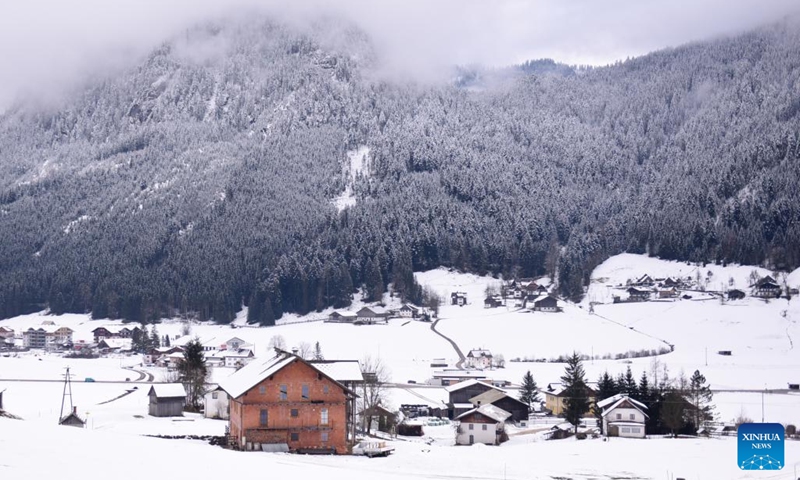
{"x": 221, "y": 172}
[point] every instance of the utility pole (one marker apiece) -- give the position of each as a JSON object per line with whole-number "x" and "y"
{"x": 762, "y": 403}
{"x": 67, "y": 393}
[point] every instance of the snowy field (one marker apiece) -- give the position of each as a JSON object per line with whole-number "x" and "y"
{"x": 761, "y": 337}
{"x": 74, "y": 453}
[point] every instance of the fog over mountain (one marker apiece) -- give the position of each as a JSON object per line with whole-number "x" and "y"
{"x": 48, "y": 48}
{"x": 219, "y": 168}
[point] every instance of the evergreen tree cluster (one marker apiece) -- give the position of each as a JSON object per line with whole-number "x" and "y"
{"x": 192, "y": 186}
{"x": 673, "y": 405}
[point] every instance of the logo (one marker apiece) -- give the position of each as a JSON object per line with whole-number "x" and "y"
{"x": 760, "y": 446}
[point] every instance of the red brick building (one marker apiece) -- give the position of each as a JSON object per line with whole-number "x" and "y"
{"x": 288, "y": 404}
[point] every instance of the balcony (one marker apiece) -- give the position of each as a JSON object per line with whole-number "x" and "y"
{"x": 295, "y": 426}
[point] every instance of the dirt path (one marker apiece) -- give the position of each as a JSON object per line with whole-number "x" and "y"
{"x": 460, "y": 354}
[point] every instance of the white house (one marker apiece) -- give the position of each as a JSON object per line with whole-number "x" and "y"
{"x": 478, "y": 358}
{"x": 485, "y": 424}
{"x": 623, "y": 417}
{"x": 408, "y": 311}
{"x": 216, "y": 404}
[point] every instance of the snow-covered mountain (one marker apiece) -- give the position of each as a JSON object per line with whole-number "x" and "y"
{"x": 219, "y": 171}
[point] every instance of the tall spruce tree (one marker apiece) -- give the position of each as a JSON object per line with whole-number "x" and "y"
{"x": 529, "y": 391}
{"x": 193, "y": 373}
{"x": 629, "y": 386}
{"x": 576, "y": 398}
{"x": 318, "y": 352}
{"x": 673, "y": 411}
{"x": 699, "y": 396}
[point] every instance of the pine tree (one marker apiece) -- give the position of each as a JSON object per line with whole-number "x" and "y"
{"x": 699, "y": 395}
{"x": 606, "y": 387}
{"x": 193, "y": 373}
{"x": 166, "y": 341}
{"x": 529, "y": 392}
{"x": 576, "y": 399}
{"x": 155, "y": 339}
{"x": 643, "y": 390}
{"x": 318, "y": 352}
{"x": 629, "y": 386}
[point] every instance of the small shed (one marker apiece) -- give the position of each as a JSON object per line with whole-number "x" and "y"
{"x": 167, "y": 400}
{"x": 72, "y": 420}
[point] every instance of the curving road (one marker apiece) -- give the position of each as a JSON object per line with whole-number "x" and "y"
{"x": 460, "y": 354}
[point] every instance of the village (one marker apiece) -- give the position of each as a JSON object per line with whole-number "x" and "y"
{"x": 296, "y": 389}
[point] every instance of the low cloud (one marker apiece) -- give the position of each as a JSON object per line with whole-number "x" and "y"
{"x": 46, "y": 46}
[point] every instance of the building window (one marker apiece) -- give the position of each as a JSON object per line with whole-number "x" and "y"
{"x": 295, "y": 413}
{"x": 214, "y": 395}
{"x": 485, "y": 427}
{"x": 262, "y": 390}
{"x": 635, "y": 430}
{"x": 323, "y": 416}
{"x": 284, "y": 392}
{"x": 295, "y": 437}
{"x": 633, "y": 416}
{"x": 472, "y": 426}
{"x": 619, "y": 416}
{"x": 626, "y": 430}
{"x": 305, "y": 392}
{"x": 325, "y": 389}
{"x": 324, "y": 436}
{"x": 263, "y": 418}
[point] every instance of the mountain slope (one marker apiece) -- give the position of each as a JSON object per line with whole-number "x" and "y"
{"x": 205, "y": 177}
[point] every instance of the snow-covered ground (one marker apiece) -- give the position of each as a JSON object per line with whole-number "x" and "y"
{"x": 36, "y": 451}
{"x": 761, "y": 337}
{"x": 357, "y": 164}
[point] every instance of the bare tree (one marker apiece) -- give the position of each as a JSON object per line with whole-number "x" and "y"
{"x": 305, "y": 350}
{"x": 277, "y": 341}
{"x": 186, "y": 329}
{"x": 374, "y": 389}
{"x": 499, "y": 361}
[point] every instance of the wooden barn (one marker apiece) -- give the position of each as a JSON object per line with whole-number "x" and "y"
{"x": 167, "y": 400}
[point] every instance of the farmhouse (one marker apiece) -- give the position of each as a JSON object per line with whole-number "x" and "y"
{"x": 485, "y": 424}
{"x": 644, "y": 281}
{"x": 114, "y": 345}
{"x": 554, "y": 397}
{"x": 369, "y": 316}
{"x": 546, "y": 304}
{"x": 669, "y": 292}
{"x": 166, "y": 400}
{"x": 461, "y": 393}
{"x": 458, "y": 298}
{"x": 6, "y": 332}
{"x": 766, "y": 288}
{"x": 493, "y": 302}
{"x": 519, "y": 410}
{"x": 408, "y": 311}
{"x": 478, "y": 358}
{"x": 115, "y": 331}
{"x": 342, "y": 316}
{"x": 638, "y": 295}
{"x": 237, "y": 357}
{"x": 6, "y": 338}
{"x": 285, "y": 403}
{"x": 623, "y": 417}
{"x": 735, "y": 294}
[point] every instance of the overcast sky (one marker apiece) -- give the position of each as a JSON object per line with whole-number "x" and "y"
{"x": 45, "y": 45}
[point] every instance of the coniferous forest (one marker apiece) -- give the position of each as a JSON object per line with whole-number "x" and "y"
{"x": 203, "y": 179}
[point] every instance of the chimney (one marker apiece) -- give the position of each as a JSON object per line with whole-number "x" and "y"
{"x": 75, "y": 410}
{"x": 295, "y": 350}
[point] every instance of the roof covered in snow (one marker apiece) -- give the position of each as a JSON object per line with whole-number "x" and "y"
{"x": 256, "y": 371}
{"x": 479, "y": 352}
{"x": 614, "y": 399}
{"x": 623, "y": 402}
{"x": 468, "y": 383}
{"x": 168, "y": 390}
{"x": 495, "y": 413}
{"x": 340, "y": 370}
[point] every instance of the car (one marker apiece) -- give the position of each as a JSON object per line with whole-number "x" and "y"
{"x": 89, "y": 380}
